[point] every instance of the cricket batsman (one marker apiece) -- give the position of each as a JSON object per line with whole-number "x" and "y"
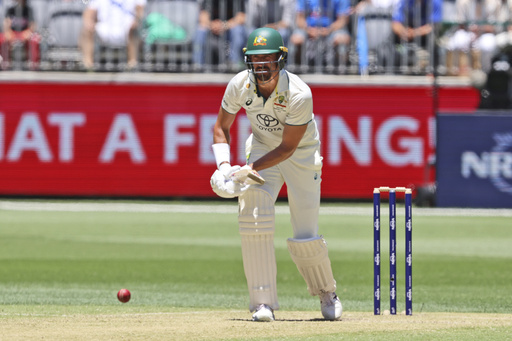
{"x": 284, "y": 147}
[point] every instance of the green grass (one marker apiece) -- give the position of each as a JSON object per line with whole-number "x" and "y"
{"x": 460, "y": 264}
{"x": 54, "y": 262}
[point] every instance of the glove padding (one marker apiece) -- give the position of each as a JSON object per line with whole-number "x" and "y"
{"x": 224, "y": 186}
{"x": 246, "y": 175}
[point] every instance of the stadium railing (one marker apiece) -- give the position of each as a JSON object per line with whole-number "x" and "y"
{"x": 59, "y": 24}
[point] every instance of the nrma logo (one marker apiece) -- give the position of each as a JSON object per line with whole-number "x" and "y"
{"x": 494, "y": 165}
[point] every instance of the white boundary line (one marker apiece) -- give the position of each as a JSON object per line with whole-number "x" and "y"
{"x": 343, "y": 209}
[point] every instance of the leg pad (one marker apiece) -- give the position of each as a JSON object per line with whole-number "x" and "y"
{"x": 312, "y": 260}
{"x": 256, "y": 225}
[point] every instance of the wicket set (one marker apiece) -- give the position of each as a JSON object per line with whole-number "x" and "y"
{"x": 392, "y": 249}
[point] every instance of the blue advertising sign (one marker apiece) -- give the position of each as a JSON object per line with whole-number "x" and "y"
{"x": 474, "y": 161}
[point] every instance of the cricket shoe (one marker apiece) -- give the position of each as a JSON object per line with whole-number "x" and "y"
{"x": 331, "y": 306}
{"x": 263, "y": 314}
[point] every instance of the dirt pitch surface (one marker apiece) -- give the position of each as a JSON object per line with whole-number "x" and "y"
{"x": 235, "y": 325}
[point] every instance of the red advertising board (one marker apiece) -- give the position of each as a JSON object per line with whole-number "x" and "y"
{"x": 153, "y": 140}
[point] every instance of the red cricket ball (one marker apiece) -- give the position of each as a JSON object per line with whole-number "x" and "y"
{"x": 124, "y": 295}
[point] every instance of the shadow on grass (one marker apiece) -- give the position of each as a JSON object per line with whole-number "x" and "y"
{"x": 290, "y": 320}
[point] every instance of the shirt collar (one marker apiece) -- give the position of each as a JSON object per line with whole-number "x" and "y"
{"x": 283, "y": 84}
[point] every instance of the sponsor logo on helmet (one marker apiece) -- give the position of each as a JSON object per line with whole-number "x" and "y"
{"x": 259, "y": 41}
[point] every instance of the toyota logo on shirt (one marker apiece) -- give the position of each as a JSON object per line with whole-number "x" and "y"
{"x": 267, "y": 120}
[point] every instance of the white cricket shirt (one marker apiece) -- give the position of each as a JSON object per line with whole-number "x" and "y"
{"x": 116, "y": 11}
{"x": 291, "y": 103}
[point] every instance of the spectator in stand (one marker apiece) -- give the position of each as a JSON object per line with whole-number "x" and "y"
{"x": 458, "y": 43}
{"x": 19, "y": 27}
{"x": 414, "y": 24}
{"x": 321, "y": 23}
{"x": 221, "y": 34}
{"x": 374, "y": 33}
{"x": 496, "y": 16}
{"x": 504, "y": 39}
{"x": 116, "y": 23}
{"x": 449, "y": 11}
{"x": 479, "y": 22}
{"x": 369, "y": 5}
{"x": 276, "y": 14}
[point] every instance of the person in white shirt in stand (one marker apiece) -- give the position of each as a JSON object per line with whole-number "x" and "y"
{"x": 117, "y": 23}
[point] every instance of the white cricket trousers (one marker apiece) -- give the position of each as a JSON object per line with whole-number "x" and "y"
{"x": 302, "y": 173}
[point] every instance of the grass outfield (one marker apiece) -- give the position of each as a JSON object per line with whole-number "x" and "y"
{"x": 63, "y": 262}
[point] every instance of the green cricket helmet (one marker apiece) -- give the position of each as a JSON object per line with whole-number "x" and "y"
{"x": 265, "y": 40}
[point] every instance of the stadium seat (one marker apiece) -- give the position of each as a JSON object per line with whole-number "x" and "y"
{"x": 63, "y": 25}
{"x": 170, "y": 54}
{"x": 40, "y": 9}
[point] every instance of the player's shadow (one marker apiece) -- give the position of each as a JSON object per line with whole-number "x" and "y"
{"x": 290, "y": 320}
